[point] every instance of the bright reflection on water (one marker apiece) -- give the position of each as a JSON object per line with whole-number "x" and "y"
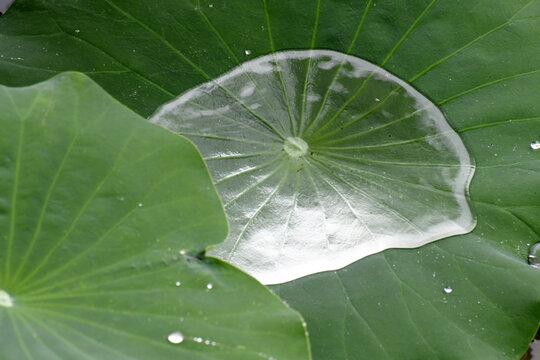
{"x": 5, "y": 299}
{"x": 534, "y": 255}
{"x": 176, "y": 337}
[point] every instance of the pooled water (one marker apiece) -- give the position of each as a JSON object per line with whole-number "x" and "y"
{"x": 534, "y": 255}
{"x": 321, "y": 159}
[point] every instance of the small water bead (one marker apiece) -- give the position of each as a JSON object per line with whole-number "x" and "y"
{"x": 534, "y": 255}
{"x": 178, "y": 283}
{"x": 198, "y": 339}
{"x": 247, "y": 52}
{"x": 176, "y": 337}
{"x": 535, "y": 145}
{"x": 448, "y": 290}
{"x": 209, "y": 286}
{"x": 5, "y": 299}
{"x": 140, "y": 204}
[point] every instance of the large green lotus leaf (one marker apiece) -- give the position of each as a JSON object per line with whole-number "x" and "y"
{"x": 476, "y": 60}
{"x": 102, "y": 218}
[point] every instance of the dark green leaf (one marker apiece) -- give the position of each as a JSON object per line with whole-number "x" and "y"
{"x": 478, "y": 60}
{"x": 102, "y": 219}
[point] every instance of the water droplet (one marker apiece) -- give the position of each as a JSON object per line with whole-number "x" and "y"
{"x": 140, "y": 204}
{"x": 534, "y": 255}
{"x": 5, "y": 299}
{"x": 178, "y": 283}
{"x": 211, "y": 5}
{"x": 377, "y": 99}
{"x": 182, "y": 252}
{"x": 209, "y": 286}
{"x": 176, "y": 337}
{"x": 77, "y": 31}
{"x": 198, "y": 339}
{"x": 207, "y": 342}
{"x": 448, "y": 290}
{"x": 247, "y": 52}
{"x": 535, "y": 145}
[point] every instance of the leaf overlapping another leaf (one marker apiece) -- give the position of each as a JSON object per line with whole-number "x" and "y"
{"x": 100, "y": 232}
{"x": 478, "y": 59}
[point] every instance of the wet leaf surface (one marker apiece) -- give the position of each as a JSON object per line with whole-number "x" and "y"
{"x": 477, "y": 61}
{"x": 100, "y": 232}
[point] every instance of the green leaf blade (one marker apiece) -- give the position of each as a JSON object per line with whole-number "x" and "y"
{"x": 101, "y": 252}
{"x": 477, "y": 59}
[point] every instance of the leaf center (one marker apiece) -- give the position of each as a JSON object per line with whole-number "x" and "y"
{"x": 5, "y": 299}
{"x": 295, "y": 147}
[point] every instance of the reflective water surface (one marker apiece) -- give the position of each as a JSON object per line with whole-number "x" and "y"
{"x": 322, "y": 159}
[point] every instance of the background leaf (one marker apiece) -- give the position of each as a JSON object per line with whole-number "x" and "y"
{"x": 477, "y": 60}
{"x": 100, "y": 233}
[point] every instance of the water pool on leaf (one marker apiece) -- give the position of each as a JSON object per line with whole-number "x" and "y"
{"x": 321, "y": 159}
